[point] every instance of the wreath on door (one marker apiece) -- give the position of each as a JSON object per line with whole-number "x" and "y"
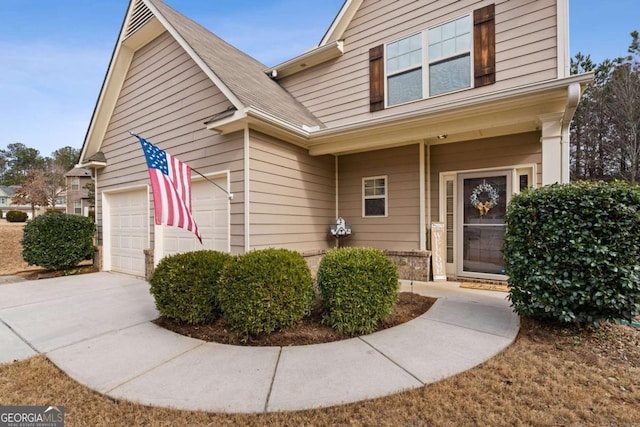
{"x": 484, "y": 207}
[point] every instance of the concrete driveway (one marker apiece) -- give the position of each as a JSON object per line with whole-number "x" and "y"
{"x": 97, "y": 328}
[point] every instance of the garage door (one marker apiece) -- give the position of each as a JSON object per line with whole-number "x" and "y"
{"x": 210, "y": 207}
{"x": 129, "y": 219}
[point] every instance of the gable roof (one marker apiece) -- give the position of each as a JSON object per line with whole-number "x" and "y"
{"x": 341, "y": 22}
{"x": 241, "y": 78}
{"x": 243, "y": 75}
{"x": 7, "y": 191}
{"x": 78, "y": 172}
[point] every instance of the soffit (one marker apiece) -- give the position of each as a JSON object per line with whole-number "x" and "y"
{"x": 466, "y": 122}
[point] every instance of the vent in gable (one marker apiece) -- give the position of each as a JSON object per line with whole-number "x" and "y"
{"x": 140, "y": 16}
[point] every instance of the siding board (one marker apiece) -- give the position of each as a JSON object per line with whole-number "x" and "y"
{"x": 337, "y": 92}
{"x": 400, "y": 229}
{"x": 165, "y": 98}
{"x": 292, "y": 196}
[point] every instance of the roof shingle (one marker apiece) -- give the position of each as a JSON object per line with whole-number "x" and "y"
{"x": 243, "y": 75}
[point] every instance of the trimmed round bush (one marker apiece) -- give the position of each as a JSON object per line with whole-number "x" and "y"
{"x": 16, "y": 216}
{"x": 359, "y": 288}
{"x": 571, "y": 252}
{"x": 58, "y": 241}
{"x": 265, "y": 291}
{"x": 184, "y": 285}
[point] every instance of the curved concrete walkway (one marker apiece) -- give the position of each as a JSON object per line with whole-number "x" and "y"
{"x": 97, "y": 328}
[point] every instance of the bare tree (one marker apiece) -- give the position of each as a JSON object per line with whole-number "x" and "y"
{"x": 589, "y": 129}
{"x": 624, "y": 113}
{"x": 41, "y": 187}
{"x": 605, "y": 129}
{"x": 32, "y": 191}
{"x": 54, "y": 182}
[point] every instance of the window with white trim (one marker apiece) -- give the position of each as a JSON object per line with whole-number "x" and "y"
{"x": 75, "y": 184}
{"x": 404, "y": 70}
{"x": 374, "y": 196}
{"x": 450, "y": 56}
{"x": 77, "y": 207}
{"x": 448, "y": 62}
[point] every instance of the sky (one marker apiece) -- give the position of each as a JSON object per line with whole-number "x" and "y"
{"x": 54, "y": 53}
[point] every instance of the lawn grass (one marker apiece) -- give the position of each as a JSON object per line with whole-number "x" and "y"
{"x": 550, "y": 376}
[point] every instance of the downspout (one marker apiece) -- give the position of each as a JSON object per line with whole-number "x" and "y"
{"x": 97, "y": 241}
{"x": 573, "y": 98}
{"x": 247, "y": 191}
{"x": 337, "y": 194}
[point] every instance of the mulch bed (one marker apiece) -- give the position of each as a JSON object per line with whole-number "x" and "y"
{"x": 47, "y": 274}
{"x": 310, "y": 330}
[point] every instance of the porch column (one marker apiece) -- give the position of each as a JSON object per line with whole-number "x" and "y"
{"x": 551, "y": 140}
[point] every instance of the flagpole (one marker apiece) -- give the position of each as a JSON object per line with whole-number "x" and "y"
{"x": 230, "y": 195}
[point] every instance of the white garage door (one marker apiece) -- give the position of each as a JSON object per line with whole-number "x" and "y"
{"x": 129, "y": 228}
{"x": 210, "y": 206}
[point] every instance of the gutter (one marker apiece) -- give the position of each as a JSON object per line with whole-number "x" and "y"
{"x": 306, "y": 134}
{"x": 311, "y": 58}
{"x": 577, "y": 80}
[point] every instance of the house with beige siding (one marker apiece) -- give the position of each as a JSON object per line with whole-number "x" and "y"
{"x": 77, "y": 191}
{"x": 7, "y": 193}
{"x": 407, "y": 115}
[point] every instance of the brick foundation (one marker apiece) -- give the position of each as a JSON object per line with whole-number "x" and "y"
{"x": 412, "y": 265}
{"x": 148, "y": 263}
{"x": 97, "y": 257}
{"x": 313, "y": 259}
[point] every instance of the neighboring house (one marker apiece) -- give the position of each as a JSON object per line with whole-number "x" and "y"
{"x": 408, "y": 113}
{"x": 6, "y": 202}
{"x": 6, "y": 193}
{"x": 77, "y": 194}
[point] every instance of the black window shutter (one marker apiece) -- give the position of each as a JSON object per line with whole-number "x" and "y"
{"x": 376, "y": 78}
{"x": 484, "y": 46}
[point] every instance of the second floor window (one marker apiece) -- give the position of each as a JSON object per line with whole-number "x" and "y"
{"x": 436, "y": 61}
{"x": 450, "y": 56}
{"x": 75, "y": 184}
{"x": 446, "y": 66}
{"x": 404, "y": 70}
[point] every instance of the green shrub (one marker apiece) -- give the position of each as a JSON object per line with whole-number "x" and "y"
{"x": 16, "y": 216}
{"x": 571, "y": 252}
{"x": 265, "y": 291}
{"x": 58, "y": 241}
{"x": 359, "y": 288}
{"x": 184, "y": 285}
{"x": 1, "y": 214}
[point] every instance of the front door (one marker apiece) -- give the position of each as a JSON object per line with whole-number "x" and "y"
{"x": 481, "y": 223}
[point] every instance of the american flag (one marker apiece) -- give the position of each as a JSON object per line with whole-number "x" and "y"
{"x": 171, "y": 186}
